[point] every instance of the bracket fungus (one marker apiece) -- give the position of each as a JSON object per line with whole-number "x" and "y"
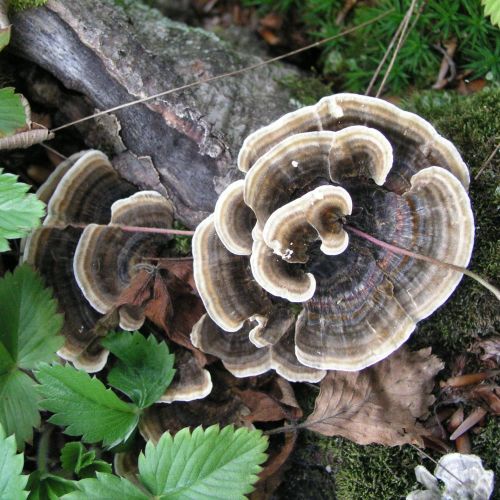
{"x": 83, "y": 252}
{"x": 285, "y": 286}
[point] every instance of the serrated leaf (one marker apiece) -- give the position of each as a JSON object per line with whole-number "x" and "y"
{"x": 14, "y": 113}
{"x": 77, "y": 460}
{"x": 18, "y": 406}
{"x": 145, "y": 366}
{"x": 106, "y": 487}
{"x": 492, "y": 9}
{"x": 209, "y": 463}
{"x": 12, "y": 483}
{"x": 84, "y": 406}
{"x": 20, "y": 212}
{"x": 92, "y": 469}
{"x": 49, "y": 486}
{"x": 30, "y": 324}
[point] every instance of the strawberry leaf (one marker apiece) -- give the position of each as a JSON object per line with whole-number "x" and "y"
{"x": 20, "y": 211}
{"x": 12, "y": 483}
{"x": 85, "y": 406}
{"x": 209, "y": 463}
{"x": 145, "y": 366}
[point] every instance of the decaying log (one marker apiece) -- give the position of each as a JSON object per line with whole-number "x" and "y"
{"x": 184, "y": 144}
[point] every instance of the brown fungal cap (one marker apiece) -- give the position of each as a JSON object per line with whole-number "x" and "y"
{"x": 228, "y": 290}
{"x": 89, "y": 260}
{"x": 234, "y": 220}
{"x": 407, "y": 133}
{"x": 349, "y": 159}
{"x": 81, "y": 190}
{"x": 244, "y": 359}
{"x": 108, "y": 257}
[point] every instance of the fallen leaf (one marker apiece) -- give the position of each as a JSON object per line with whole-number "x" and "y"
{"x": 273, "y": 21}
{"x": 263, "y": 408}
{"x": 489, "y": 350}
{"x": 468, "y": 379}
{"x": 272, "y": 474}
{"x": 269, "y": 36}
{"x": 488, "y": 394}
{"x": 379, "y": 404}
{"x": 476, "y": 416}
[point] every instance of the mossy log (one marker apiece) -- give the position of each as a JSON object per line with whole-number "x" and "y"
{"x": 183, "y": 145}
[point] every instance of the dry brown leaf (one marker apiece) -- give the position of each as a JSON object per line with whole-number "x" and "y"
{"x": 489, "y": 350}
{"x": 25, "y": 140}
{"x": 263, "y": 408}
{"x": 488, "y": 394}
{"x": 271, "y": 476}
{"x": 379, "y": 404}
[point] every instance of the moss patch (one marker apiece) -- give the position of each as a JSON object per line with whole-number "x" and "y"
{"x": 305, "y": 90}
{"x": 473, "y": 125}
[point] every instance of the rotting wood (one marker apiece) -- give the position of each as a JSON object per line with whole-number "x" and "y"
{"x": 184, "y": 144}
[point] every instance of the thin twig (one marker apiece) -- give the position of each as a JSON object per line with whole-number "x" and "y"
{"x": 401, "y": 40}
{"x": 384, "y": 58}
{"x": 426, "y": 455}
{"x": 52, "y": 150}
{"x": 409, "y": 253}
{"x": 487, "y": 161}
{"x": 141, "y": 229}
{"x": 225, "y": 75}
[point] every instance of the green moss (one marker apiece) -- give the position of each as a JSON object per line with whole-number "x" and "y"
{"x": 329, "y": 468}
{"x": 180, "y": 245}
{"x": 473, "y": 125}
{"x": 26, "y": 4}
{"x": 306, "y": 90}
{"x": 485, "y": 445}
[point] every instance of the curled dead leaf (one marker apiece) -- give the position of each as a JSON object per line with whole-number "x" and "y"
{"x": 26, "y": 139}
{"x": 380, "y": 404}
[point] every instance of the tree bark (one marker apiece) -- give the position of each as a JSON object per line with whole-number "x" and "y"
{"x": 183, "y": 145}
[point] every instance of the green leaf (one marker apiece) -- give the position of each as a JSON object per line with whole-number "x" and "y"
{"x": 49, "y": 486}
{"x": 492, "y": 9}
{"x": 4, "y": 37}
{"x": 85, "y": 406}
{"x": 30, "y": 324}
{"x": 145, "y": 366}
{"x": 20, "y": 212}
{"x": 13, "y": 110}
{"x": 106, "y": 487}
{"x": 209, "y": 463}
{"x": 77, "y": 460}
{"x": 18, "y": 406}
{"x": 92, "y": 469}
{"x": 12, "y": 483}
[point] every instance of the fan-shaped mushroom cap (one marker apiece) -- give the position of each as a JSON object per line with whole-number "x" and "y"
{"x": 81, "y": 190}
{"x": 416, "y": 144}
{"x": 349, "y": 159}
{"x": 190, "y": 381}
{"x": 289, "y": 168}
{"x": 106, "y": 258}
{"x": 234, "y": 220}
{"x": 243, "y": 359}
{"x": 50, "y": 250}
{"x": 222, "y": 406}
{"x": 228, "y": 290}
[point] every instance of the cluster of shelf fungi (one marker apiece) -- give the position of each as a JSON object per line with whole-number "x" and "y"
{"x": 285, "y": 287}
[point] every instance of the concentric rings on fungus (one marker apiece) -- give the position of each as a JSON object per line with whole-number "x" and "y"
{"x": 285, "y": 286}
{"x": 88, "y": 260}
